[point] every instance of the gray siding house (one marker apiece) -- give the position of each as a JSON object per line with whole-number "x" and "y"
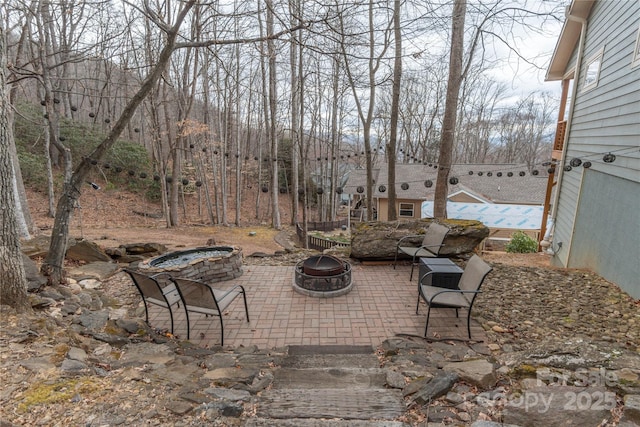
{"x": 596, "y": 209}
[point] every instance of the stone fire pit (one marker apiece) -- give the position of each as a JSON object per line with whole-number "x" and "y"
{"x": 209, "y": 264}
{"x": 322, "y": 276}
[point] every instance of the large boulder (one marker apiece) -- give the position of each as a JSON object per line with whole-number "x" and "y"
{"x": 85, "y": 250}
{"x": 36, "y": 247}
{"x": 377, "y": 240}
{"x": 35, "y": 280}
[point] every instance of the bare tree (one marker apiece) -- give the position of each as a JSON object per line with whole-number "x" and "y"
{"x": 53, "y": 263}
{"x": 450, "y": 109}
{"x": 376, "y": 53}
{"x": 272, "y": 136}
{"x": 395, "y": 107}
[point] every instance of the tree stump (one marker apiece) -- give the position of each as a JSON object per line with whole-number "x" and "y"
{"x": 377, "y": 240}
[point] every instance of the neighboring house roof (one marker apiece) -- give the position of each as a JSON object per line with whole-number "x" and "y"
{"x": 568, "y": 39}
{"x": 356, "y": 178}
{"x": 528, "y": 189}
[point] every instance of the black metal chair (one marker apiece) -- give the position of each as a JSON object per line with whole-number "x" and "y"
{"x": 153, "y": 292}
{"x": 198, "y": 297}
{"x": 429, "y": 248}
{"x": 468, "y": 288}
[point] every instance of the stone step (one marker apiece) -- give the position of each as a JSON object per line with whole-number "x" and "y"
{"x": 301, "y": 422}
{"x": 327, "y": 378}
{"x": 346, "y": 404}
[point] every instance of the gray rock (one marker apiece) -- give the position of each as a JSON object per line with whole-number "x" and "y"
{"x": 454, "y": 398}
{"x": 35, "y": 280}
{"x": 491, "y": 424}
{"x": 214, "y": 410}
{"x": 73, "y": 366}
{"x": 84, "y": 299}
{"x": 147, "y": 353}
{"x": 477, "y": 372}
{"x": 228, "y": 394}
{"x": 416, "y": 385}
{"x": 76, "y": 353}
{"x": 220, "y": 361}
{"x": 631, "y": 412}
{"x": 70, "y": 308}
{"x": 261, "y": 383}
{"x": 52, "y": 293}
{"x": 175, "y": 373}
{"x": 438, "y": 386}
{"x": 224, "y": 376}
{"x": 231, "y": 409}
{"x": 90, "y": 283}
{"x": 395, "y": 379}
{"x": 439, "y": 414}
{"x": 37, "y": 364}
{"x": 148, "y": 249}
{"x": 179, "y": 407}
{"x": 37, "y": 302}
{"x": 85, "y": 250}
{"x": 132, "y": 326}
{"x": 114, "y": 340}
{"x": 37, "y": 247}
{"x": 195, "y": 397}
{"x": 94, "y": 320}
{"x": 98, "y": 270}
{"x": 5, "y": 423}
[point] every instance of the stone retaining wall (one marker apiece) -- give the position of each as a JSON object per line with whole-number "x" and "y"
{"x": 209, "y": 270}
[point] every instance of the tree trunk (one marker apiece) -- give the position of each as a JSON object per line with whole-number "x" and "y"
{"x": 450, "y": 109}
{"x": 392, "y": 213}
{"x": 273, "y": 137}
{"x": 294, "y": 9}
{"x": 13, "y": 282}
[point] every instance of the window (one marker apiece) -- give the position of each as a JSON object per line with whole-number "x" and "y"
{"x": 635, "y": 61}
{"x": 406, "y": 210}
{"x": 592, "y": 73}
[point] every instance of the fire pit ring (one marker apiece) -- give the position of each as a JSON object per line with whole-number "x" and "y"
{"x": 322, "y": 265}
{"x": 322, "y": 276}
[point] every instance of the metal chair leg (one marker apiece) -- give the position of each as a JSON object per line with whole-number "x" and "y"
{"x": 427, "y": 325}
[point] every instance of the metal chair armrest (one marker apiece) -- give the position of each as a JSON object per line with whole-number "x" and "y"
{"x": 458, "y": 291}
{"x": 228, "y": 291}
{"x": 412, "y": 236}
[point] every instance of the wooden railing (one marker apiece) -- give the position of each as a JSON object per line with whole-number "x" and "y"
{"x": 558, "y": 142}
{"x": 326, "y": 226}
{"x": 320, "y": 243}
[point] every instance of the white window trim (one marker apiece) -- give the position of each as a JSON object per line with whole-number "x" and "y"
{"x": 595, "y": 57}
{"x": 413, "y": 210}
{"x": 635, "y": 59}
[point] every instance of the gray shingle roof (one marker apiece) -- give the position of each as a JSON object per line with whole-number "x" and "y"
{"x": 528, "y": 189}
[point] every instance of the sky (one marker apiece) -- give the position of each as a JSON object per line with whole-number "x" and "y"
{"x": 522, "y": 78}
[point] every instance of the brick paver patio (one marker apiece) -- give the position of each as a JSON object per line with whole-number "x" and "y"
{"x": 381, "y": 304}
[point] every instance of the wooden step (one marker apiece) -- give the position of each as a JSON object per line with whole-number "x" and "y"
{"x": 306, "y": 350}
{"x": 331, "y": 360}
{"x": 300, "y": 422}
{"x": 346, "y": 404}
{"x": 325, "y": 378}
